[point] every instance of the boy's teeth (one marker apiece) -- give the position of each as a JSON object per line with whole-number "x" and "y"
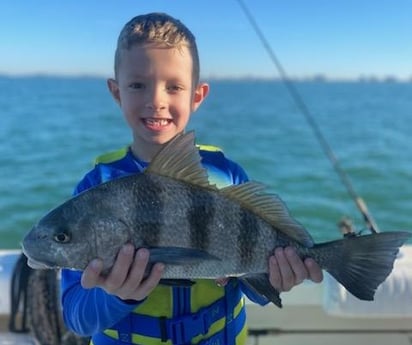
{"x": 157, "y": 122}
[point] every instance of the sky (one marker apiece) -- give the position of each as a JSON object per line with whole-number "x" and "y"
{"x": 339, "y": 39}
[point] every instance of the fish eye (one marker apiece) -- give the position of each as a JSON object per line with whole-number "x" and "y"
{"x": 62, "y": 237}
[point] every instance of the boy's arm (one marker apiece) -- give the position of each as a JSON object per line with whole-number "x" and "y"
{"x": 86, "y": 312}
{"x": 92, "y": 302}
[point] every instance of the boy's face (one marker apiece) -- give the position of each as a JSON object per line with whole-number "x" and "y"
{"x": 155, "y": 91}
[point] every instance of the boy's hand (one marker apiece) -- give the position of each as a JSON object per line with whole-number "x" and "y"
{"x": 127, "y": 278}
{"x": 287, "y": 269}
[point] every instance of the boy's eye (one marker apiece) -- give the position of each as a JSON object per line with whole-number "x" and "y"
{"x": 136, "y": 86}
{"x": 174, "y": 88}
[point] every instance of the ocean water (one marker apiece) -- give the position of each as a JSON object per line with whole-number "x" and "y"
{"x": 52, "y": 128}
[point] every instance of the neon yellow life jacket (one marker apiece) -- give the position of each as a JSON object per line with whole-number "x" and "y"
{"x": 217, "y": 317}
{"x": 203, "y": 314}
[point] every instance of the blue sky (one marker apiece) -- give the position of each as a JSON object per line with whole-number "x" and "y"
{"x": 336, "y": 38}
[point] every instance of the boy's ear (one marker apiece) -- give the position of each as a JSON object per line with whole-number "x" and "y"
{"x": 114, "y": 89}
{"x": 202, "y": 90}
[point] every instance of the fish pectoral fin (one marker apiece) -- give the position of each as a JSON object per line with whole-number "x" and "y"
{"x": 179, "y": 255}
{"x": 259, "y": 284}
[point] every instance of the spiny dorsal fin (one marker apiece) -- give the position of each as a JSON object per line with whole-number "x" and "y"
{"x": 253, "y": 196}
{"x": 180, "y": 159}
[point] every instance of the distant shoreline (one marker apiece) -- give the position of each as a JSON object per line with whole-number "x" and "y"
{"x": 317, "y": 78}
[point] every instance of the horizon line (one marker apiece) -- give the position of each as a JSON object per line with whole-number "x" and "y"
{"x": 313, "y": 78}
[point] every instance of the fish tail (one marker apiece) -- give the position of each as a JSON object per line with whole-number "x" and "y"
{"x": 362, "y": 263}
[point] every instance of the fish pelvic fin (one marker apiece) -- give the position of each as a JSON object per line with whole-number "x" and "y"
{"x": 259, "y": 284}
{"x": 179, "y": 255}
{"x": 253, "y": 196}
{"x": 177, "y": 282}
{"x": 365, "y": 261}
{"x": 180, "y": 159}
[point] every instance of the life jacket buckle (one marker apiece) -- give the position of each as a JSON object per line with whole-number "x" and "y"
{"x": 183, "y": 329}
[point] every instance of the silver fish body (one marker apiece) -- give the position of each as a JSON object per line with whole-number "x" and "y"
{"x": 198, "y": 230}
{"x": 154, "y": 211}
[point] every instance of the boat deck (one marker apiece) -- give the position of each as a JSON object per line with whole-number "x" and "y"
{"x": 326, "y": 314}
{"x": 314, "y": 314}
{"x": 309, "y": 324}
{"x": 295, "y": 325}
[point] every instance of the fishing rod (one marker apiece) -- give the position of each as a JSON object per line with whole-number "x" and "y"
{"x": 360, "y": 203}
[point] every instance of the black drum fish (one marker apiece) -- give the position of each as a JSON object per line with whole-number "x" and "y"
{"x": 198, "y": 230}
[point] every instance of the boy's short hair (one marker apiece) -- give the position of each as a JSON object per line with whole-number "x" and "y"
{"x": 157, "y": 28}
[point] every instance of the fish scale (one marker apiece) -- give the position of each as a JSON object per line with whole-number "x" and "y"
{"x": 198, "y": 230}
{"x": 197, "y": 225}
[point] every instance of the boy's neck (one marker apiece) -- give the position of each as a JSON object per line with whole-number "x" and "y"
{"x": 143, "y": 151}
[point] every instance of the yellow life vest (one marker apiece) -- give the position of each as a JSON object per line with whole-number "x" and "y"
{"x": 212, "y": 315}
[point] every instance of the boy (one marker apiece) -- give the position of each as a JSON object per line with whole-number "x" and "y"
{"x": 157, "y": 88}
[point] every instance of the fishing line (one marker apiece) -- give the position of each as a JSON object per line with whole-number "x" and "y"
{"x": 360, "y": 203}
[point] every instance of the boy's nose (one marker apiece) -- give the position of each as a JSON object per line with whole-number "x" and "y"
{"x": 156, "y": 100}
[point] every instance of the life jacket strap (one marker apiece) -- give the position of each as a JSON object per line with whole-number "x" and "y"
{"x": 231, "y": 301}
{"x": 181, "y": 330}
{"x": 219, "y": 338}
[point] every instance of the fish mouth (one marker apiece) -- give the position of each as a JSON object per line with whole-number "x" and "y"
{"x": 37, "y": 264}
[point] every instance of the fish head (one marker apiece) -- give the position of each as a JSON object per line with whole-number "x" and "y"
{"x": 83, "y": 228}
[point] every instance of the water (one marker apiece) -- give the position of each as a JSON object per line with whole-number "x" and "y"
{"x": 52, "y": 128}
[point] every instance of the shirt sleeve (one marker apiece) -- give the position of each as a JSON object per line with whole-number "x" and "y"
{"x": 88, "y": 311}
{"x": 238, "y": 174}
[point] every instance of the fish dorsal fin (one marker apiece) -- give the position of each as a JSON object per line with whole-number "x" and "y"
{"x": 253, "y": 196}
{"x": 180, "y": 159}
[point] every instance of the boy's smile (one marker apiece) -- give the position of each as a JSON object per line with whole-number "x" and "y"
{"x": 155, "y": 91}
{"x": 155, "y": 124}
